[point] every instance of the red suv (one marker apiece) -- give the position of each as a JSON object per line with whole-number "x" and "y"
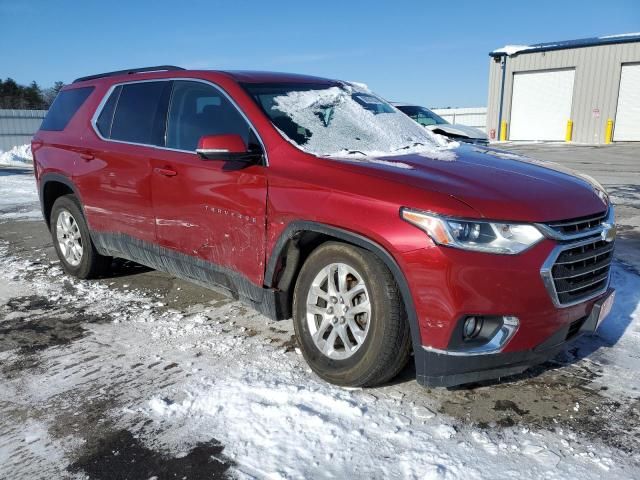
{"x": 315, "y": 199}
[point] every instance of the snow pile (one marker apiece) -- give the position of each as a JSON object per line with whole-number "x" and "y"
{"x": 19, "y": 156}
{"x": 342, "y": 121}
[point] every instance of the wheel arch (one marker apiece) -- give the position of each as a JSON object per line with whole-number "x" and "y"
{"x": 291, "y": 250}
{"x": 53, "y": 186}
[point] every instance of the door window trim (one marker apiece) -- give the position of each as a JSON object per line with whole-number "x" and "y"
{"x": 105, "y": 99}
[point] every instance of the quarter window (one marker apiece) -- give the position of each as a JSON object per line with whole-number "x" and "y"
{"x": 64, "y": 108}
{"x": 198, "y": 109}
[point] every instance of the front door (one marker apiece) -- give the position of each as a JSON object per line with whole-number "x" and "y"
{"x": 208, "y": 210}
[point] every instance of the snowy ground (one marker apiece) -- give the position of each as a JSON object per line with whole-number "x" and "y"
{"x": 143, "y": 375}
{"x": 19, "y": 156}
{"x": 18, "y": 196}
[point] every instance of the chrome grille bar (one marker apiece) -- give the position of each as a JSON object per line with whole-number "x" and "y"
{"x": 592, "y": 271}
{"x": 578, "y": 228}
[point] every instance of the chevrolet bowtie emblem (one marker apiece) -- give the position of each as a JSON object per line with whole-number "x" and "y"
{"x": 608, "y": 233}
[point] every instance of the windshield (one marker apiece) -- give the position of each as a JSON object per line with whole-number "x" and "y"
{"x": 423, "y": 116}
{"x": 341, "y": 120}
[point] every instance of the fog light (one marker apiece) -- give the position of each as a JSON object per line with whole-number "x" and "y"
{"x": 472, "y": 327}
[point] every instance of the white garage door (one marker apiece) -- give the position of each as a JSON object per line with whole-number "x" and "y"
{"x": 541, "y": 105}
{"x": 627, "y": 126}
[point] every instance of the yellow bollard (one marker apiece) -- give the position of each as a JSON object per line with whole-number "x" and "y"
{"x": 503, "y": 131}
{"x": 608, "y": 134}
{"x": 569, "y": 132}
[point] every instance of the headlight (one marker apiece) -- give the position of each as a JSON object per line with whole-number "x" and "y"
{"x": 491, "y": 237}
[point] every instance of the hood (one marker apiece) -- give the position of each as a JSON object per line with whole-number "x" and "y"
{"x": 460, "y": 130}
{"x": 498, "y": 184}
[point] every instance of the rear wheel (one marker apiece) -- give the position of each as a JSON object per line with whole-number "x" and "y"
{"x": 72, "y": 241}
{"x": 349, "y": 317}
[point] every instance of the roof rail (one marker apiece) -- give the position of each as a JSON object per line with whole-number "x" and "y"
{"x": 129, "y": 71}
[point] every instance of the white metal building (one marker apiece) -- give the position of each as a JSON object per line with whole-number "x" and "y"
{"x": 585, "y": 91}
{"x": 18, "y": 126}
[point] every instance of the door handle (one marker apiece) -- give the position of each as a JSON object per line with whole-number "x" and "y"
{"x": 87, "y": 156}
{"x": 167, "y": 172}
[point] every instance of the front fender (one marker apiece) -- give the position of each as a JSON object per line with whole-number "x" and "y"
{"x": 298, "y": 226}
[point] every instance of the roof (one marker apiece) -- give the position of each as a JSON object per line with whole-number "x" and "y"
{"x": 510, "y": 50}
{"x": 128, "y": 71}
{"x": 251, "y": 76}
{"x": 247, "y": 76}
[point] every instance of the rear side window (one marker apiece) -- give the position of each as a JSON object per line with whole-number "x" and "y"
{"x": 64, "y": 108}
{"x": 140, "y": 113}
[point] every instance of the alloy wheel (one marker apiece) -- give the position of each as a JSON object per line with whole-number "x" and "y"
{"x": 69, "y": 238}
{"x": 338, "y": 311}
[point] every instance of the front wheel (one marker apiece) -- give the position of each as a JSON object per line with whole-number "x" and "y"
{"x": 349, "y": 317}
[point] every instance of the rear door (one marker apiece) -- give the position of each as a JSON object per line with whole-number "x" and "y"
{"x": 115, "y": 177}
{"x": 209, "y": 210}
{"x": 541, "y": 105}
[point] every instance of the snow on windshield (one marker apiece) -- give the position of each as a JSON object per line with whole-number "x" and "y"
{"x": 343, "y": 121}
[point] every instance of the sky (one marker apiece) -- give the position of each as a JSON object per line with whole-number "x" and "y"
{"x": 426, "y": 52}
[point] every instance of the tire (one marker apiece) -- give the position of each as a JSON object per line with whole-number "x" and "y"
{"x": 68, "y": 224}
{"x": 372, "y": 358}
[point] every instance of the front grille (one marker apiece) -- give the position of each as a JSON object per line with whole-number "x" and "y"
{"x": 582, "y": 271}
{"x": 578, "y": 225}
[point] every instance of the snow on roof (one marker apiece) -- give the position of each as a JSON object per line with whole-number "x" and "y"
{"x": 510, "y": 50}
{"x": 360, "y": 85}
{"x": 622, "y": 35}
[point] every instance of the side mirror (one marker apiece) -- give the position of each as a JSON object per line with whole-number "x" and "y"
{"x": 225, "y": 148}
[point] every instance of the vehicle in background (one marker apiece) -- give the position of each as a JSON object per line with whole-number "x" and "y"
{"x": 315, "y": 199}
{"x": 437, "y": 124}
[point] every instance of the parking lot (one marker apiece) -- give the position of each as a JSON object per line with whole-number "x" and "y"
{"x": 617, "y": 167}
{"x": 141, "y": 375}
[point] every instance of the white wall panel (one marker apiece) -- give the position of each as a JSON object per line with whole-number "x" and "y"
{"x": 541, "y": 105}
{"x": 627, "y": 125}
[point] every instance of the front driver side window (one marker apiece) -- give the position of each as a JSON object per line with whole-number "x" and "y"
{"x": 199, "y": 109}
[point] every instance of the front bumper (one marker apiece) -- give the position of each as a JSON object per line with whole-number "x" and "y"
{"x": 438, "y": 369}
